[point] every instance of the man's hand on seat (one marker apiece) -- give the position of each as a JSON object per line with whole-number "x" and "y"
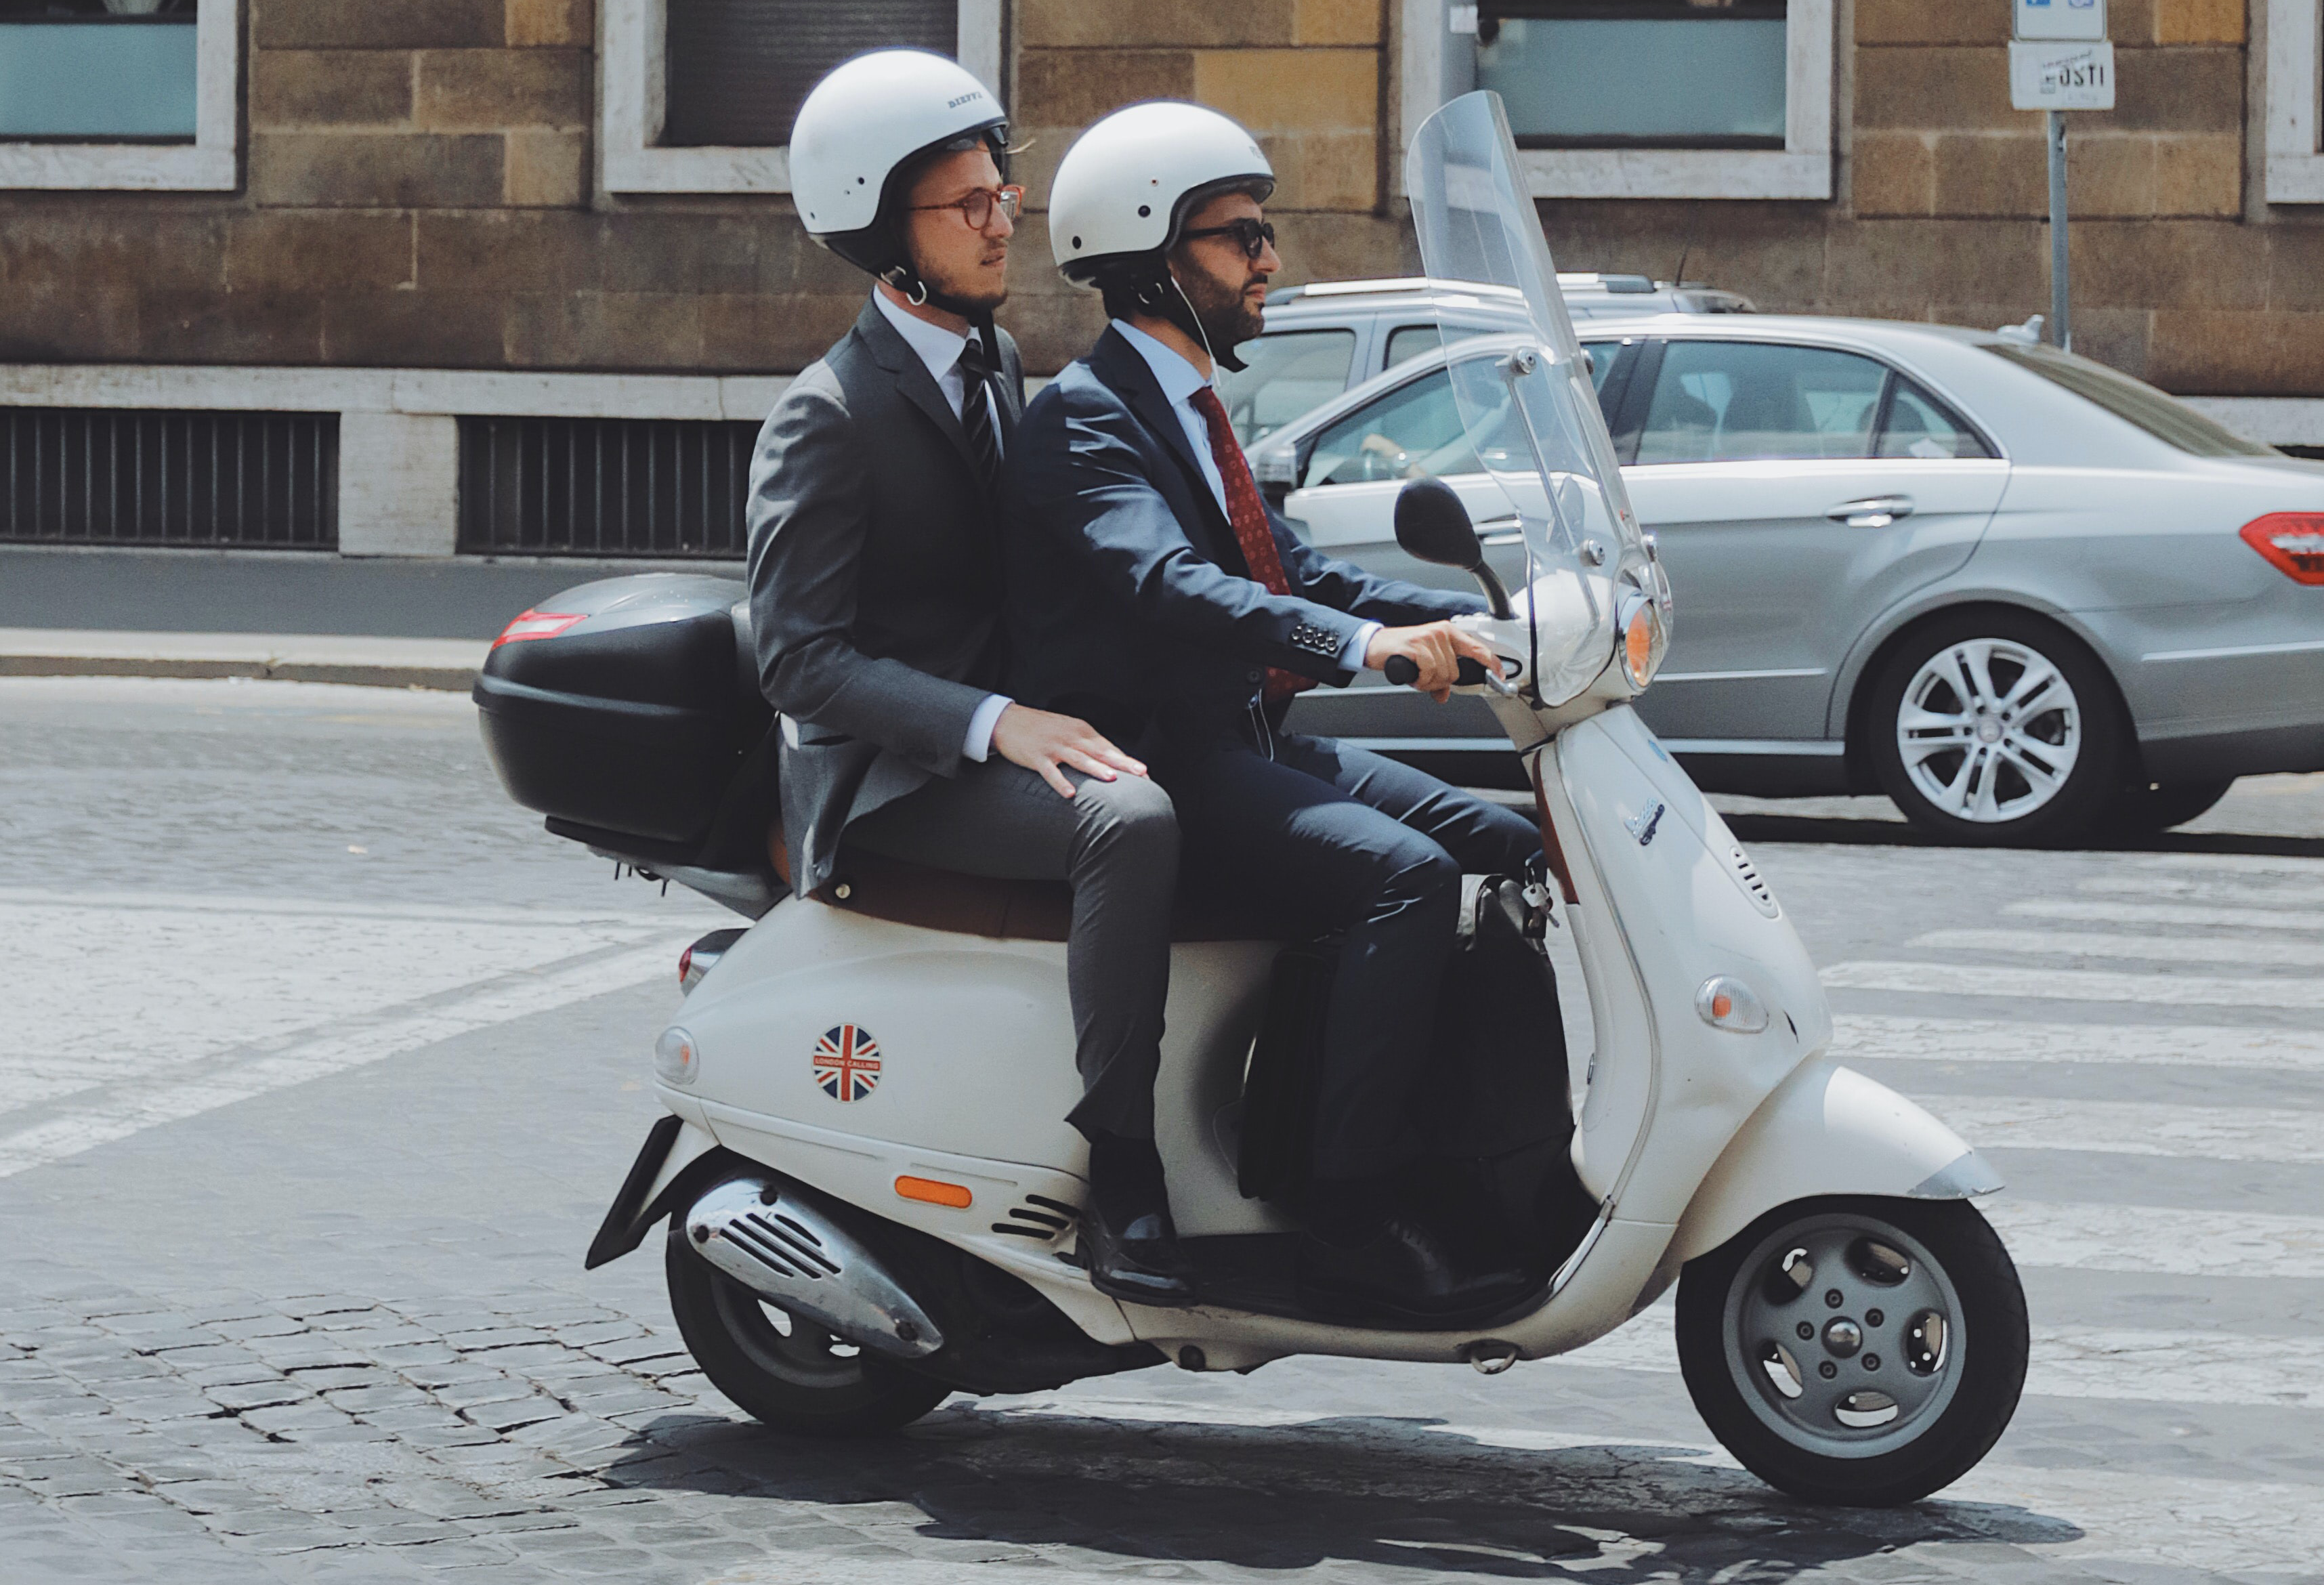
{"x": 1435, "y": 648}
{"x": 1043, "y": 742}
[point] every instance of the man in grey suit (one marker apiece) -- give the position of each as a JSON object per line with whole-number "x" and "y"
{"x": 875, "y": 578}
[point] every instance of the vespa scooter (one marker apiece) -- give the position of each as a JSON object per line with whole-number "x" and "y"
{"x": 871, "y": 1196}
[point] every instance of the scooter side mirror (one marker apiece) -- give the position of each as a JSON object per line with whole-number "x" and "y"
{"x": 1432, "y": 525}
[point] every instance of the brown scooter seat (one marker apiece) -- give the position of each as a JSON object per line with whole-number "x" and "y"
{"x": 905, "y": 893}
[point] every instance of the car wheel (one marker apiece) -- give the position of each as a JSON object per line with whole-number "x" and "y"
{"x": 2145, "y": 808}
{"x": 1996, "y": 727}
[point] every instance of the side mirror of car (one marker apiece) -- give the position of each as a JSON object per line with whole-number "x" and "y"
{"x": 1432, "y": 525}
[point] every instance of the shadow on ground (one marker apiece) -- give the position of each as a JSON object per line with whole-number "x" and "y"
{"x": 1386, "y": 1493}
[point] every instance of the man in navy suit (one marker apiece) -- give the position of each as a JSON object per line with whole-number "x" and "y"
{"x": 1154, "y": 594}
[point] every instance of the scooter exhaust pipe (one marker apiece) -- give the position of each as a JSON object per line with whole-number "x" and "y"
{"x": 786, "y": 1245}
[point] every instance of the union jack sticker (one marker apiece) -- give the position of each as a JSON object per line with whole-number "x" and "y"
{"x": 847, "y": 1063}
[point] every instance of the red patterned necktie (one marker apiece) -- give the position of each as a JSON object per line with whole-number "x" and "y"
{"x": 1247, "y": 514}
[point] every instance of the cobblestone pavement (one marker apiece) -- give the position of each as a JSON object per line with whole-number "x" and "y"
{"x": 318, "y": 1065}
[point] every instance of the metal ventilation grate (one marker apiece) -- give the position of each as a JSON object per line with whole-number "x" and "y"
{"x": 120, "y": 476}
{"x": 658, "y": 487}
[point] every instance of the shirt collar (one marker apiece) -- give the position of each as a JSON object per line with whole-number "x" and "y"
{"x": 937, "y": 347}
{"x": 1178, "y": 378}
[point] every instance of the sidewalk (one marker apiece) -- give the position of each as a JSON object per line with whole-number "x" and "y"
{"x": 378, "y": 662}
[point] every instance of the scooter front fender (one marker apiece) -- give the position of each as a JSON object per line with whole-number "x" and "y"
{"x": 1827, "y": 1130}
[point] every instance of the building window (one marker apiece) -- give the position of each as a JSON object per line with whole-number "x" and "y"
{"x": 2295, "y": 102}
{"x": 699, "y": 94}
{"x": 117, "y": 94}
{"x": 1641, "y": 98}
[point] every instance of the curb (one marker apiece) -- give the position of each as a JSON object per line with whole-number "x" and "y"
{"x": 444, "y": 665}
{"x": 448, "y": 679}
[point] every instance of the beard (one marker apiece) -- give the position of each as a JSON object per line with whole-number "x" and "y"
{"x": 1228, "y": 317}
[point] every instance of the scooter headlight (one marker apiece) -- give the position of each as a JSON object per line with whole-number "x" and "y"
{"x": 677, "y": 1059}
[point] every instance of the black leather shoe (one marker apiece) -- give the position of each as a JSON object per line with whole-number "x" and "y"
{"x": 1140, "y": 1262}
{"x": 1404, "y": 1273}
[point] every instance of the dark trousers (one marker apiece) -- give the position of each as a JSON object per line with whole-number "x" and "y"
{"x": 1329, "y": 836}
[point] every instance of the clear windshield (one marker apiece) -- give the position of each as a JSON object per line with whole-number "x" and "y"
{"x": 1527, "y": 398}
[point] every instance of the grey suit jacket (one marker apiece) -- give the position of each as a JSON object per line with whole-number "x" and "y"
{"x": 875, "y": 583}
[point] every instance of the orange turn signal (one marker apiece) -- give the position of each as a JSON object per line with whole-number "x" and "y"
{"x": 931, "y": 1192}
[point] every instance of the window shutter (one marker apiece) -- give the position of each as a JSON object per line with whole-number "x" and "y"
{"x": 739, "y": 68}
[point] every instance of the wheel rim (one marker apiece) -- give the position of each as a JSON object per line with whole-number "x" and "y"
{"x": 1989, "y": 730}
{"x": 1877, "y": 1368}
{"x": 780, "y": 1344}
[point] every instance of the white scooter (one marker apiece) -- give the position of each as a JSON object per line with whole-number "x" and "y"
{"x": 872, "y": 1195}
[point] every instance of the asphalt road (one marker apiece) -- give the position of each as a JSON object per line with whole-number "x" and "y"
{"x": 318, "y": 1062}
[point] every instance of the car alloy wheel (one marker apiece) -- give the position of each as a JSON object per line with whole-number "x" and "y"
{"x": 1989, "y": 729}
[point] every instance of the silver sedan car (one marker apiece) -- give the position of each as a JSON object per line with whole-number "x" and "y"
{"x": 2030, "y": 598}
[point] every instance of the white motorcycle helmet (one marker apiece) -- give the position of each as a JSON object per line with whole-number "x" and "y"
{"x": 1124, "y": 189}
{"x": 865, "y": 123}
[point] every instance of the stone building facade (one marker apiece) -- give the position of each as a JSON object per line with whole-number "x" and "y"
{"x": 421, "y": 211}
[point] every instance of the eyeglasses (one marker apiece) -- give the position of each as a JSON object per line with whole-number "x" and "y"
{"x": 1252, "y": 235}
{"x": 976, "y": 207}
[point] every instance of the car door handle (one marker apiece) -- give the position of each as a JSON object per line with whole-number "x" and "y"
{"x": 1874, "y": 511}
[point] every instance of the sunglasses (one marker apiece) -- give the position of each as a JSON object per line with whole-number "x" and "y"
{"x": 1253, "y": 237}
{"x": 976, "y": 207}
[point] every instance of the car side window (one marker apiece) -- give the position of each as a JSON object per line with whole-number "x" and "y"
{"x": 1732, "y": 400}
{"x": 1289, "y": 373}
{"x": 1409, "y": 341}
{"x": 1919, "y": 426}
{"x": 1414, "y": 430}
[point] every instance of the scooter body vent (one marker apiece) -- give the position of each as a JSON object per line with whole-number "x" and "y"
{"x": 1746, "y": 875}
{"x": 787, "y": 1246}
{"x": 1039, "y": 1218}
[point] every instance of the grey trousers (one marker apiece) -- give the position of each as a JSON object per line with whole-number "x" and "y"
{"x": 1116, "y": 844}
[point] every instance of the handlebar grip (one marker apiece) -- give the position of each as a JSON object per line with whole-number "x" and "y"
{"x": 1404, "y": 671}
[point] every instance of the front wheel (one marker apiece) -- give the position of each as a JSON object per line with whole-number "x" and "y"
{"x": 1856, "y": 1350}
{"x": 787, "y": 1372}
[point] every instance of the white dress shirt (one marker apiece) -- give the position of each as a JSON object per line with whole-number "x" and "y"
{"x": 940, "y": 350}
{"x": 1179, "y": 381}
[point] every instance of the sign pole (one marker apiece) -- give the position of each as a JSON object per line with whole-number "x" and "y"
{"x": 2060, "y": 326}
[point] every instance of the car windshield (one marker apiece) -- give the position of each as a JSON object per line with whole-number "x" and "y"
{"x": 2160, "y": 415}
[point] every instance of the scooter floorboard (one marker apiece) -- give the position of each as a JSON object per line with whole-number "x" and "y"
{"x": 1258, "y": 1273}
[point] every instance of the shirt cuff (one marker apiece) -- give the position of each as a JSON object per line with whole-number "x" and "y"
{"x": 1351, "y": 655}
{"x": 981, "y": 725}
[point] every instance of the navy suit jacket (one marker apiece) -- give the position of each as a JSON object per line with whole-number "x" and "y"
{"x": 1129, "y": 598}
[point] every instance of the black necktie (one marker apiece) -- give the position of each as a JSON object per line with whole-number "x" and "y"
{"x": 976, "y": 408}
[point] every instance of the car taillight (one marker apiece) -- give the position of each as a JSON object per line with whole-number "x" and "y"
{"x": 2293, "y": 540}
{"x": 537, "y": 624}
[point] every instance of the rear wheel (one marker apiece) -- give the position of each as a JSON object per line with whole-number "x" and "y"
{"x": 2145, "y": 808}
{"x": 787, "y": 1372}
{"x": 1856, "y": 1350}
{"x": 1995, "y": 726}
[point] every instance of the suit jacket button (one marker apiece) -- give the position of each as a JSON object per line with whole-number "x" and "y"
{"x": 1253, "y": 676}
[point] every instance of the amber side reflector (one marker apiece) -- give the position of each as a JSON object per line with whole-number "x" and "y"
{"x": 934, "y": 1192}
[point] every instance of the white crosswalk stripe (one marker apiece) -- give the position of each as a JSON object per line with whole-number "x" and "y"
{"x": 2156, "y": 948}
{"x": 1867, "y": 1037}
{"x": 2089, "y": 1236}
{"x": 2076, "y": 985}
{"x": 2131, "y": 1128}
{"x": 2199, "y": 914}
{"x": 2263, "y": 895}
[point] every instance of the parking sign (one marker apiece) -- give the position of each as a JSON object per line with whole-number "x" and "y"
{"x": 2082, "y": 21}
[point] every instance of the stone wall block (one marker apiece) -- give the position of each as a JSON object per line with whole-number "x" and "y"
{"x": 546, "y": 169}
{"x": 67, "y": 321}
{"x": 1072, "y": 88}
{"x": 2198, "y": 22}
{"x": 2208, "y": 352}
{"x": 2005, "y": 174}
{"x": 398, "y": 484}
{"x": 2109, "y": 175}
{"x": 488, "y": 89}
{"x": 643, "y": 251}
{"x": 1133, "y": 23}
{"x": 2116, "y": 338}
{"x": 2172, "y": 90}
{"x": 414, "y": 329}
{"x": 1893, "y": 173}
{"x": 748, "y": 332}
{"x": 2199, "y": 175}
{"x": 1035, "y": 166}
{"x": 288, "y": 250}
{"x": 377, "y": 24}
{"x": 605, "y": 329}
{"x": 272, "y": 327}
{"x": 529, "y": 23}
{"x": 329, "y": 87}
{"x": 1324, "y": 171}
{"x": 1932, "y": 21}
{"x": 482, "y": 251}
{"x": 1336, "y": 21}
{"x": 68, "y": 241}
{"x": 1904, "y": 269}
{"x": 1292, "y": 90}
{"x": 1956, "y": 89}
{"x": 2295, "y": 267}
{"x": 2134, "y": 263}
{"x": 299, "y": 170}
